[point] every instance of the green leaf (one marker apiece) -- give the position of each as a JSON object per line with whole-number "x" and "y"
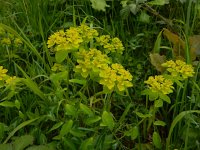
{"x": 159, "y": 123}
{"x": 165, "y": 98}
{"x": 77, "y": 133}
{"x": 23, "y": 124}
{"x": 82, "y": 82}
{"x": 87, "y": 144}
{"x": 86, "y": 110}
{"x": 133, "y": 8}
{"x": 7, "y": 104}
{"x": 158, "y": 103}
{"x": 157, "y": 140}
{"x": 158, "y": 2}
{"x": 61, "y": 55}
{"x": 66, "y": 128}
{"x": 68, "y": 144}
{"x": 70, "y": 110}
{"x": 139, "y": 114}
{"x": 144, "y": 17}
{"x": 22, "y": 142}
{"x": 17, "y": 104}
{"x": 107, "y": 120}
{"x": 133, "y": 132}
{"x": 99, "y": 5}
{"x": 56, "y": 126}
{"x": 59, "y": 76}
{"x": 92, "y": 120}
{"x": 6, "y": 147}
{"x": 40, "y": 147}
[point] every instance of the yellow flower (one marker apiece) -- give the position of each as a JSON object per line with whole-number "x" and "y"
{"x": 11, "y": 80}
{"x": 87, "y": 33}
{"x": 179, "y": 69}
{"x": 18, "y": 42}
{"x": 118, "y": 45}
{"x": 6, "y": 41}
{"x": 57, "y": 67}
{"x": 160, "y": 84}
{"x": 2, "y": 72}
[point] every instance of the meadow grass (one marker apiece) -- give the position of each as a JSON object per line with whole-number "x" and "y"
{"x": 50, "y": 106}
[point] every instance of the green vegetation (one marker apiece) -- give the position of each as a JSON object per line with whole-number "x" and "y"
{"x": 99, "y": 74}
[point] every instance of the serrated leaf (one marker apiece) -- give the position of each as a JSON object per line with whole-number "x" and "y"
{"x": 86, "y": 110}
{"x": 159, "y": 123}
{"x": 61, "y": 55}
{"x": 99, "y": 5}
{"x": 66, "y": 128}
{"x": 158, "y": 103}
{"x": 107, "y": 120}
{"x": 157, "y": 140}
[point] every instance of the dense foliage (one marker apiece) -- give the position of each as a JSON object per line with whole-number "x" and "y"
{"x": 99, "y": 74}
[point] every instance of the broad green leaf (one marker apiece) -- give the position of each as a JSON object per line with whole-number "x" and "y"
{"x": 40, "y": 147}
{"x": 17, "y": 104}
{"x": 22, "y": 142}
{"x": 92, "y": 120}
{"x": 165, "y": 98}
{"x": 59, "y": 76}
{"x": 107, "y": 120}
{"x": 61, "y": 55}
{"x": 143, "y": 115}
{"x": 157, "y": 140}
{"x": 66, "y": 128}
{"x": 153, "y": 96}
{"x": 77, "y": 133}
{"x": 7, "y": 104}
{"x": 68, "y": 144}
{"x": 159, "y": 2}
{"x": 133, "y": 8}
{"x": 144, "y": 17}
{"x": 86, "y": 110}
{"x": 133, "y": 132}
{"x": 87, "y": 144}
{"x": 82, "y": 82}
{"x": 159, "y": 123}
{"x": 70, "y": 110}
{"x": 6, "y": 147}
{"x": 56, "y": 126}
{"x": 158, "y": 103}
{"x": 99, "y": 5}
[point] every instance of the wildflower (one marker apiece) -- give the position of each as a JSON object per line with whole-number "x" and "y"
{"x": 57, "y": 67}
{"x": 11, "y": 80}
{"x": 6, "y": 41}
{"x": 18, "y": 42}
{"x": 118, "y": 45}
{"x": 2, "y": 72}
{"x": 160, "y": 84}
{"x": 179, "y": 69}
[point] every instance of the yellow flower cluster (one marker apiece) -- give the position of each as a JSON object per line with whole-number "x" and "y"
{"x": 72, "y": 38}
{"x": 4, "y": 77}
{"x": 115, "y": 76}
{"x": 110, "y": 44}
{"x": 57, "y": 67}
{"x": 160, "y": 84}
{"x": 92, "y": 60}
{"x": 8, "y": 39}
{"x": 179, "y": 69}
{"x": 2, "y": 72}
